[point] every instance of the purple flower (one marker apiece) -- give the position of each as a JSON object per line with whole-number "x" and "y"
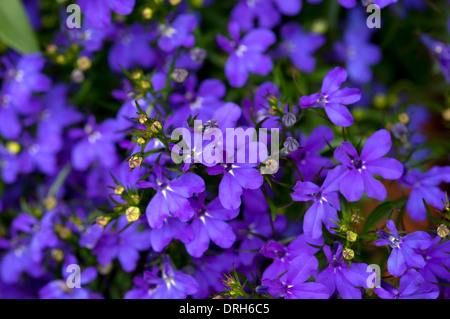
{"x": 97, "y": 12}
{"x": 172, "y": 228}
{"x": 356, "y": 50}
{"x": 425, "y": 186}
{"x": 9, "y": 165}
{"x": 246, "y": 55}
{"x": 412, "y": 286}
{"x": 202, "y": 102}
{"x": 178, "y": 33}
{"x": 25, "y": 78}
{"x": 300, "y": 46}
{"x": 357, "y": 169}
{"x": 283, "y": 256}
{"x": 209, "y": 224}
{"x": 436, "y": 261}
{"x": 122, "y": 243}
{"x": 171, "y": 198}
{"x": 97, "y": 143}
{"x": 172, "y": 284}
{"x": 325, "y": 203}
{"x": 403, "y": 255}
{"x": 441, "y": 51}
{"x": 58, "y": 289}
{"x": 331, "y": 98}
{"x": 131, "y": 49}
{"x": 235, "y": 178}
{"x": 338, "y": 276}
{"x": 292, "y": 284}
{"x": 307, "y": 156}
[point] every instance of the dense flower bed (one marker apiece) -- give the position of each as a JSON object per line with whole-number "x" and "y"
{"x": 224, "y": 149}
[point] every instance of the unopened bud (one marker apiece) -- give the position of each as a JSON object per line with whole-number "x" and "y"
{"x": 133, "y": 214}
{"x": 320, "y": 26}
{"x": 289, "y": 119}
{"x": 119, "y": 190}
{"x": 380, "y": 100}
{"x": 156, "y": 127}
{"x": 403, "y": 118}
{"x": 84, "y": 63}
{"x": 62, "y": 231}
{"x": 442, "y": 231}
{"x": 51, "y": 49}
{"x": 351, "y": 236}
{"x": 270, "y": 167}
{"x": 140, "y": 141}
{"x": 145, "y": 85}
{"x": 136, "y": 75}
{"x": 143, "y": 118}
{"x": 348, "y": 253}
{"x": 135, "y": 161}
{"x": 61, "y": 59}
{"x": 13, "y": 147}
{"x": 57, "y": 254}
{"x": 343, "y": 228}
{"x": 50, "y": 203}
{"x": 446, "y": 115}
{"x": 135, "y": 198}
{"x": 102, "y": 221}
{"x": 356, "y": 218}
{"x": 291, "y": 144}
{"x": 147, "y": 13}
{"x": 77, "y": 76}
{"x": 180, "y": 75}
{"x": 174, "y": 2}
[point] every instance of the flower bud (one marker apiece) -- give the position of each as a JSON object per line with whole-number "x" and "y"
{"x": 289, "y": 119}
{"x": 133, "y": 213}
{"x": 403, "y": 118}
{"x": 291, "y": 144}
{"x": 135, "y": 161}
{"x": 180, "y": 75}
{"x": 140, "y": 141}
{"x": 348, "y": 253}
{"x": 351, "y": 236}
{"x": 119, "y": 190}
{"x": 143, "y": 118}
{"x": 147, "y": 13}
{"x": 84, "y": 63}
{"x": 51, "y": 49}
{"x": 135, "y": 198}
{"x": 145, "y": 84}
{"x": 102, "y": 221}
{"x": 380, "y": 100}
{"x": 320, "y": 26}
{"x": 77, "y": 76}
{"x": 156, "y": 127}
{"x": 50, "y": 203}
{"x": 13, "y": 147}
{"x": 62, "y": 231}
{"x": 442, "y": 231}
{"x": 57, "y": 254}
{"x": 174, "y": 2}
{"x": 446, "y": 115}
{"x": 343, "y": 228}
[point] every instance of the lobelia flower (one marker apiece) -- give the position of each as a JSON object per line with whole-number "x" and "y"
{"x": 267, "y": 13}
{"x": 339, "y": 277}
{"x": 25, "y": 78}
{"x": 38, "y": 154}
{"x": 171, "y": 198}
{"x": 123, "y": 243}
{"x": 436, "y": 261}
{"x": 300, "y": 46}
{"x": 178, "y": 33}
{"x": 9, "y": 164}
{"x": 131, "y": 49}
{"x": 283, "y": 256}
{"x": 441, "y": 51}
{"x": 172, "y": 228}
{"x": 202, "y": 102}
{"x": 332, "y": 99}
{"x": 292, "y": 284}
{"x": 191, "y": 59}
{"x": 307, "y": 157}
{"x": 403, "y": 255}
{"x": 256, "y": 223}
{"x": 172, "y": 284}
{"x": 209, "y": 225}
{"x": 10, "y": 125}
{"x": 239, "y": 176}
{"x": 246, "y": 54}
{"x": 98, "y": 12}
{"x": 325, "y": 203}
{"x": 58, "y": 289}
{"x": 425, "y": 185}
{"x": 412, "y": 286}
{"x": 357, "y": 169}
{"x": 356, "y": 50}
{"x": 97, "y": 143}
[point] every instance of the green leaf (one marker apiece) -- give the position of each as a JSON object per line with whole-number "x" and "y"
{"x": 430, "y": 216}
{"x": 15, "y": 28}
{"x": 382, "y": 212}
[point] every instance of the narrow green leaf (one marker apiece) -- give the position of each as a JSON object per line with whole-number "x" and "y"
{"x": 15, "y": 28}
{"x": 382, "y": 212}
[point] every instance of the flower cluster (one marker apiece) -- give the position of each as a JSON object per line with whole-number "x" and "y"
{"x": 224, "y": 149}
